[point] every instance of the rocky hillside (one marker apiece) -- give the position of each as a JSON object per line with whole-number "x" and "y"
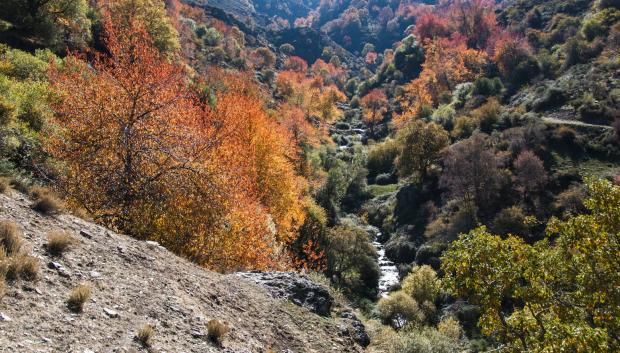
{"x": 135, "y": 283}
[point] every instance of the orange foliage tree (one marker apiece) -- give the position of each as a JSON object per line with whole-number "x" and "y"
{"x": 375, "y": 106}
{"x": 140, "y": 150}
{"x": 448, "y": 63}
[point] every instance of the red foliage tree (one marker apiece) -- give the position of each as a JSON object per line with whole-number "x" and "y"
{"x": 430, "y": 26}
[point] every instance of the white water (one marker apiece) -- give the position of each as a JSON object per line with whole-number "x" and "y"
{"x": 389, "y": 273}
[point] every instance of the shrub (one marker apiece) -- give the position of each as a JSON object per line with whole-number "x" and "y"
{"x": 10, "y": 237}
{"x": 425, "y": 340}
{"x": 510, "y": 221}
{"x": 400, "y": 309}
{"x": 488, "y": 87}
{"x": 570, "y": 201}
{"x": 78, "y": 297}
{"x": 58, "y": 242}
{"x": 464, "y": 127}
{"x": 381, "y": 158}
{"x": 487, "y": 115}
{"x": 216, "y": 331}
{"x": 444, "y": 116}
{"x": 145, "y": 335}
{"x": 553, "y": 97}
{"x": 422, "y": 284}
{"x": 28, "y": 268}
{"x": 450, "y": 327}
{"x": 48, "y": 205}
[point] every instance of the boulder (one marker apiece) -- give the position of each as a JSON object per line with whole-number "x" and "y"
{"x": 297, "y": 288}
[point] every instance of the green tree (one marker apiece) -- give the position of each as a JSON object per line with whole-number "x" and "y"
{"x": 421, "y": 144}
{"x": 152, "y": 13}
{"x": 45, "y": 23}
{"x": 559, "y": 295}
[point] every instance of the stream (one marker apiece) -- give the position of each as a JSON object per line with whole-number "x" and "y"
{"x": 389, "y": 272}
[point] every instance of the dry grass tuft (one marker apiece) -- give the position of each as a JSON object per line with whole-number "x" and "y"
{"x": 145, "y": 335}
{"x": 22, "y": 267}
{"x": 48, "y": 204}
{"x": 28, "y": 267}
{"x": 10, "y": 238}
{"x": 5, "y": 185}
{"x": 216, "y": 331}
{"x": 78, "y": 297}
{"x": 58, "y": 242}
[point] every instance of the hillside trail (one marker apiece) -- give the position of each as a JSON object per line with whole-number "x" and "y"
{"x": 556, "y": 121}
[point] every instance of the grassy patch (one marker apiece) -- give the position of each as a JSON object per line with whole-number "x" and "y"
{"x": 380, "y": 190}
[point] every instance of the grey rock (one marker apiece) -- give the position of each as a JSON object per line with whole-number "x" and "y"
{"x": 86, "y": 234}
{"x": 197, "y": 334}
{"x": 113, "y": 314}
{"x": 358, "y": 330}
{"x": 62, "y": 272}
{"x": 54, "y": 265}
{"x": 294, "y": 287}
{"x": 4, "y": 317}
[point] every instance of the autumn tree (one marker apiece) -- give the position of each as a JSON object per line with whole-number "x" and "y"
{"x": 148, "y": 154}
{"x": 475, "y": 19}
{"x": 118, "y": 153}
{"x": 420, "y": 144}
{"x": 530, "y": 173}
{"x": 295, "y": 63}
{"x": 514, "y": 59}
{"x": 448, "y": 63}
{"x": 560, "y": 292}
{"x": 430, "y": 26}
{"x": 472, "y": 171}
{"x": 375, "y": 105}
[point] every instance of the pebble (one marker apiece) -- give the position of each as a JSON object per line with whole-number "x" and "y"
{"x": 4, "y": 317}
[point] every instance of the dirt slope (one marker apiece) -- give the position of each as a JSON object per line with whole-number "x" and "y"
{"x": 143, "y": 283}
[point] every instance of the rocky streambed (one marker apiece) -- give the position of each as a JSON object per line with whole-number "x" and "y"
{"x": 389, "y": 272}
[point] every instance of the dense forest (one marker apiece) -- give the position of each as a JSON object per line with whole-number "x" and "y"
{"x": 470, "y": 147}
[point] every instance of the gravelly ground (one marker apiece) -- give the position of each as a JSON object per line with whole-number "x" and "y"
{"x": 144, "y": 283}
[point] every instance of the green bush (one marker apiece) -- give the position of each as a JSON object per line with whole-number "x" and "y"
{"x": 510, "y": 221}
{"x": 351, "y": 260}
{"x": 488, "y": 87}
{"x": 381, "y": 158}
{"x": 400, "y": 309}
{"x": 422, "y": 284}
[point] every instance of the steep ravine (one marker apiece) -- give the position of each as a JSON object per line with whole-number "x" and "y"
{"x": 352, "y": 134}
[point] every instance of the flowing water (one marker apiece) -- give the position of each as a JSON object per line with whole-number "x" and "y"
{"x": 389, "y": 273}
